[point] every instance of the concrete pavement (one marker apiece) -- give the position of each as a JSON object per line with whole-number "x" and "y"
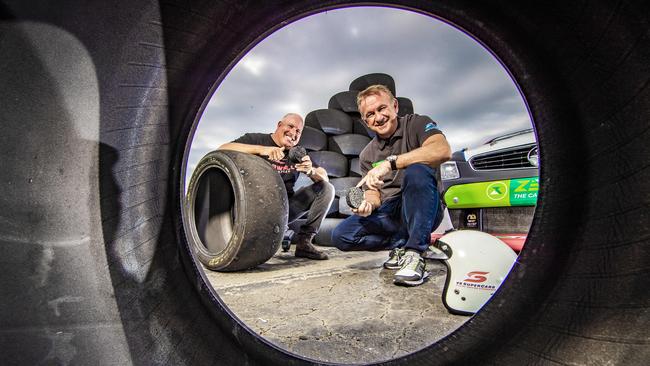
{"x": 344, "y": 310}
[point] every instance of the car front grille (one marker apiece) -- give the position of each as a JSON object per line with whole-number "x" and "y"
{"x": 504, "y": 159}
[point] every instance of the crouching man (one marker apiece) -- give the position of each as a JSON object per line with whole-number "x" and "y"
{"x": 314, "y": 200}
{"x": 401, "y": 205}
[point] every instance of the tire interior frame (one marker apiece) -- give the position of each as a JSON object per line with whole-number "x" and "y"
{"x": 98, "y": 269}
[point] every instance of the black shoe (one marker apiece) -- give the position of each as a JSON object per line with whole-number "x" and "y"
{"x": 305, "y": 249}
{"x": 310, "y": 252}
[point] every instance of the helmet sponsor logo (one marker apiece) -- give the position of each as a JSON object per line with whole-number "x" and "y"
{"x": 476, "y": 276}
{"x": 475, "y": 280}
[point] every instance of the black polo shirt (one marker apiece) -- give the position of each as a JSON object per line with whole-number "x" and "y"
{"x": 286, "y": 171}
{"x": 412, "y": 131}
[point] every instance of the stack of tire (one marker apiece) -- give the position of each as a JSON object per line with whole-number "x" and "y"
{"x": 334, "y": 137}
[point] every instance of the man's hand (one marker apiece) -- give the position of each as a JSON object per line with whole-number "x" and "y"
{"x": 305, "y": 166}
{"x": 364, "y": 210}
{"x": 374, "y": 177}
{"x": 273, "y": 152}
{"x": 315, "y": 174}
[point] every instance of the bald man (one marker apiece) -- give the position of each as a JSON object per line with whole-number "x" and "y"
{"x": 312, "y": 201}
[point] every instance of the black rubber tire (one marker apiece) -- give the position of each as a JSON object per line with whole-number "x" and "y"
{"x": 405, "y": 106}
{"x": 354, "y": 169}
{"x": 345, "y": 101}
{"x": 324, "y": 235}
{"x": 359, "y": 126}
{"x": 344, "y": 208}
{"x": 341, "y": 185}
{"x": 330, "y": 121}
{"x": 97, "y": 269}
{"x": 313, "y": 139}
{"x": 349, "y": 144}
{"x": 365, "y": 81}
{"x": 230, "y": 228}
{"x": 335, "y": 163}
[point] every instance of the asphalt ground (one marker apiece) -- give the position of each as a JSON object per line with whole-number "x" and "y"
{"x": 343, "y": 310}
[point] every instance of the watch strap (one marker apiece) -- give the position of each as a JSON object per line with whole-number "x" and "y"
{"x": 393, "y": 162}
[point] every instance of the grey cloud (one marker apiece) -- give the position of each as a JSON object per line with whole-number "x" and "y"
{"x": 446, "y": 74}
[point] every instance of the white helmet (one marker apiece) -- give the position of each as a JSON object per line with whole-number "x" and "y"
{"x": 477, "y": 264}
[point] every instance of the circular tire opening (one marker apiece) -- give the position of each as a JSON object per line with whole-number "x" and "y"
{"x": 334, "y": 143}
{"x": 214, "y": 204}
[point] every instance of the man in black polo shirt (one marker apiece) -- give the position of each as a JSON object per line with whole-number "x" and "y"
{"x": 401, "y": 204}
{"x": 313, "y": 200}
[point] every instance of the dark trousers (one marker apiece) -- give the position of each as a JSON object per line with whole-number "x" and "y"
{"x": 313, "y": 200}
{"x": 404, "y": 221}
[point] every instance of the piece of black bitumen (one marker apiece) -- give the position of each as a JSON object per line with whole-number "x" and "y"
{"x": 296, "y": 154}
{"x": 354, "y": 197}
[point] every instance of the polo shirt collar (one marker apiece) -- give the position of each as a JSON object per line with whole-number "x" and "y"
{"x": 398, "y": 134}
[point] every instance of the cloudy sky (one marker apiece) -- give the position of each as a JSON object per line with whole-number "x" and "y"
{"x": 448, "y": 76}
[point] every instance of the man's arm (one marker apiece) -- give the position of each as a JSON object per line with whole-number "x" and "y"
{"x": 273, "y": 152}
{"x": 319, "y": 174}
{"x": 434, "y": 151}
{"x": 315, "y": 174}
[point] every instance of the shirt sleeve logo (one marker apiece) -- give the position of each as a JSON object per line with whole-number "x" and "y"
{"x": 429, "y": 126}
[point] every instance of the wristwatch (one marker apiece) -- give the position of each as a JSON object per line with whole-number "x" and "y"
{"x": 392, "y": 159}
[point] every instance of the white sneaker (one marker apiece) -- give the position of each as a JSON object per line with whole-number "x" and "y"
{"x": 412, "y": 271}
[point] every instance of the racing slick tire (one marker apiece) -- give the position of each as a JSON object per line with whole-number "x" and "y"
{"x": 313, "y": 139}
{"x": 330, "y": 121}
{"x": 349, "y": 144}
{"x": 345, "y": 101}
{"x": 335, "y": 163}
{"x": 228, "y": 201}
{"x": 365, "y": 81}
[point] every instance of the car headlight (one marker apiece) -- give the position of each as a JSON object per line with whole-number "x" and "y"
{"x": 533, "y": 157}
{"x": 449, "y": 170}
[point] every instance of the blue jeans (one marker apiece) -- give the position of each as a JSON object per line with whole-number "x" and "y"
{"x": 403, "y": 221}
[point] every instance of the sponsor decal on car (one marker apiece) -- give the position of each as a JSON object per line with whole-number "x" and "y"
{"x": 500, "y": 193}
